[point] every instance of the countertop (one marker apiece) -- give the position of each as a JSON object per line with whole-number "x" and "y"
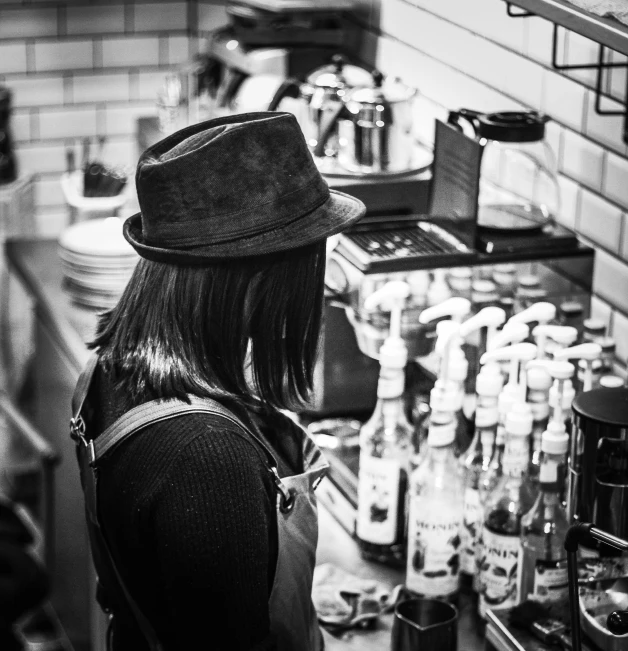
{"x": 37, "y": 264}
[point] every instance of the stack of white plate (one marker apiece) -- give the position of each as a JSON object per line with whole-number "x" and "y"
{"x": 97, "y": 262}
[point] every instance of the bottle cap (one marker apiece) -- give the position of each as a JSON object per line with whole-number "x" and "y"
{"x": 443, "y": 396}
{"x": 594, "y": 326}
{"x": 489, "y": 381}
{"x": 460, "y": 272}
{"x": 486, "y": 416}
{"x": 458, "y": 364}
{"x": 607, "y": 344}
{"x": 483, "y": 286}
{"x": 519, "y": 419}
{"x": 441, "y": 434}
{"x": 393, "y": 353}
{"x": 529, "y": 280}
{"x": 554, "y": 439}
{"x": 538, "y": 378}
{"x": 611, "y": 382}
{"x": 571, "y": 308}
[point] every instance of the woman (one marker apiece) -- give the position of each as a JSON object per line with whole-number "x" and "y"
{"x": 198, "y": 489}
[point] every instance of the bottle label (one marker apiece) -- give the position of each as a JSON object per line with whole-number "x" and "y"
{"x": 433, "y": 548}
{"x": 498, "y": 571}
{"x": 472, "y": 519}
{"x": 516, "y": 455}
{"x": 550, "y": 581}
{"x": 378, "y": 500}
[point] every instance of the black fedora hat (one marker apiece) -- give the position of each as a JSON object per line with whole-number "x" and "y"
{"x": 232, "y": 187}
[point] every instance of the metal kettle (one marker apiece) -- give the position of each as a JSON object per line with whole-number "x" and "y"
{"x": 374, "y": 127}
{"x": 320, "y": 96}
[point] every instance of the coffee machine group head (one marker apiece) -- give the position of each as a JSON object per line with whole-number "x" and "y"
{"x": 598, "y": 464}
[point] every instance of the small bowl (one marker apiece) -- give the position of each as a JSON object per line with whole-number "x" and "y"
{"x": 595, "y": 607}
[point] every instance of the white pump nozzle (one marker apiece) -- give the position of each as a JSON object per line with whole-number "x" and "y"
{"x": 391, "y": 298}
{"x": 523, "y": 352}
{"x": 511, "y": 333}
{"x": 589, "y": 353}
{"x": 542, "y": 312}
{"x": 562, "y": 335}
{"x": 455, "y": 307}
{"x": 489, "y": 317}
{"x": 454, "y": 365}
{"x": 562, "y": 389}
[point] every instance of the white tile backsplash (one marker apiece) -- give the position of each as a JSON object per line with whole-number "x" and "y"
{"x": 620, "y": 334}
{"x": 95, "y": 20}
{"x": 582, "y": 160}
{"x": 600, "y": 220}
{"x": 569, "y": 202}
{"x": 67, "y": 123}
{"x": 42, "y": 158}
{"x": 12, "y": 57}
{"x": 603, "y": 311}
{"x": 68, "y": 55}
{"x": 563, "y": 100}
{"x": 36, "y": 90}
{"x": 610, "y": 280}
{"x": 616, "y": 179}
{"x": 607, "y": 130}
{"x": 160, "y": 17}
{"x": 100, "y": 88}
{"x": 28, "y": 22}
{"x": 130, "y": 51}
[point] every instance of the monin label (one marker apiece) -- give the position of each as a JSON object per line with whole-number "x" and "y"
{"x": 498, "y": 571}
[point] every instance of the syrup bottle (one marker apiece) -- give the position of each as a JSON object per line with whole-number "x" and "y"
{"x": 385, "y": 445}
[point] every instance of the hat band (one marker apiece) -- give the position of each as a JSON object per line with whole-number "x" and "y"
{"x": 262, "y": 218}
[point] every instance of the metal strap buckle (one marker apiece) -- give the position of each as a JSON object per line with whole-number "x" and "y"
{"x": 77, "y": 433}
{"x": 287, "y": 496}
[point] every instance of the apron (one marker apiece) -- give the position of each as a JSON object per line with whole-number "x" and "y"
{"x": 292, "y": 615}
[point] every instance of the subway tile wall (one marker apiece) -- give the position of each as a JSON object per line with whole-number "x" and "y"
{"x": 472, "y": 54}
{"x": 89, "y": 68}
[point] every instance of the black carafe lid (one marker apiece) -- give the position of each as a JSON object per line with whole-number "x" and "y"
{"x": 607, "y": 407}
{"x": 512, "y": 126}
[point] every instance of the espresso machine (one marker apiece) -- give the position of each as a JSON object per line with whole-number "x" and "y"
{"x": 598, "y": 462}
{"x": 264, "y": 44}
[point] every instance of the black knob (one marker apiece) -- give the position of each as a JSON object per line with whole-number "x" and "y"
{"x": 378, "y": 78}
{"x": 339, "y": 61}
{"x": 617, "y": 622}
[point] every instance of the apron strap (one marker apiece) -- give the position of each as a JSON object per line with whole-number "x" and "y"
{"x": 91, "y": 451}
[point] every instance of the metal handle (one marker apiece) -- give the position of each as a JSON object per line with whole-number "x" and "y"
{"x": 582, "y": 532}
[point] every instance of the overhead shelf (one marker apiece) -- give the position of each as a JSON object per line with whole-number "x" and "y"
{"x": 605, "y": 31}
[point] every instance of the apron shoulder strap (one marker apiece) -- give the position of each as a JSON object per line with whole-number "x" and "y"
{"x": 90, "y": 451}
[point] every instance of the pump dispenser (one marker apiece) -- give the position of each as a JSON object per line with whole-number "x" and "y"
{"x": 448, "y": 392}
{"x": 511, "y": 333}
{"x": 541, "y": 313}
{"x": 456, "y": 308}
{"x": 589, "y": 353}
{"x": 551, "y": 338}
{"x": 438, "y": 291}
{"x": 385, "y": 443}
{"x": 509, "y": 500}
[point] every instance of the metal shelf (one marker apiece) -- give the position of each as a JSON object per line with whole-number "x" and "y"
{"x": 606, "y": 31}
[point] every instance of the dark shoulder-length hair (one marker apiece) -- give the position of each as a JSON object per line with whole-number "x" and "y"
{"x": 181, "y": 330}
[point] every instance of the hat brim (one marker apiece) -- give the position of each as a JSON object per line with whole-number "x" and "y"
{"x": 338, "y": 212}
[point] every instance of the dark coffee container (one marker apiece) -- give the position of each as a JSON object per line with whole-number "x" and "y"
{"x": 8, "y": 166}
{"x": 598, "y": 462}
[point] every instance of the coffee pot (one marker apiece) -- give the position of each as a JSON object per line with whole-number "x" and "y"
{"x": 320, "y": 96}
{"x": 518, "y": 189}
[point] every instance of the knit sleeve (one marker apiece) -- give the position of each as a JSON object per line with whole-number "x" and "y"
{"x": 210, "y": 518}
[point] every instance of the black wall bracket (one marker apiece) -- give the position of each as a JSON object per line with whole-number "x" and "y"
{"x": 601, "y": 66}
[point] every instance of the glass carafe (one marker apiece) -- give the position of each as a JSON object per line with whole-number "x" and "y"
{"x": 518, "y": 184}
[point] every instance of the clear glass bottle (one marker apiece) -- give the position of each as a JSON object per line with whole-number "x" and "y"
{"x": 474, "y": 464}
{"x": 505, "y": 506}
{"x": 542, "y": 572}
{"x": 385, "y": 452}
{"x": 539, "y": 384}
{"x": 435, "y": 519}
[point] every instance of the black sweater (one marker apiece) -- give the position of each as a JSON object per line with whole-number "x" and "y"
{"x": 189, "y": 510}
